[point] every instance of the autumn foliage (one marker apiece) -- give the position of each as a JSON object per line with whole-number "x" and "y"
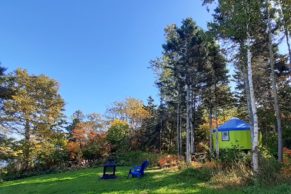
{"x": 87, "y": 143}
{"x": 169, "y": 161}
{"x": 286, "y": 170}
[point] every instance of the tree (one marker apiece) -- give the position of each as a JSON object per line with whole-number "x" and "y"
{"x": 237, "y": 21}
{"x": 285, "y": 22}
{"x": 273, "y": 81}
{"x": 149, "y": 135}
{"x": 34, "y": 109}
{"x": 131, "y": 110}
{"x": 117, "y": 133}
{"x": 181, "y": 76}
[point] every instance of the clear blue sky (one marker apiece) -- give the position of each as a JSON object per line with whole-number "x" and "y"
{"x": 98, "y": 50}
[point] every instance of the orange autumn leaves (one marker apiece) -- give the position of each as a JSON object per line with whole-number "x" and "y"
{"x": 286, "y": 170}
{"x": 85, "y": 138}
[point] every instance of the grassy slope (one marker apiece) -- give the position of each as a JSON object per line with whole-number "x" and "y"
{"x": 88, "y": 181}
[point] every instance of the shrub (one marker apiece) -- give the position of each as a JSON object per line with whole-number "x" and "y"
{"x": 136, "y": 158}
{"x": 286, "y": 170}
{"x": 118, "y": 135}
{"x": 269, "y": 171}
{"x": 117, "y": 131}
{"x": 237, "y": 174}
{"x": 203, "y": 174}
{"x": 169, "y": 161}
{"x": 230, "y": 157}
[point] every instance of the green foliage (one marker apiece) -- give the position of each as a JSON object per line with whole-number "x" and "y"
{"x": 117, "y": 132}
{"x": 136, "y": 158}
{"x": 203, "y": 174}
{"x": 98, "y": 149}
{"x": 269, "y": 172}
{"x": 34, "y": 112}
{"x": 229, "y": 157}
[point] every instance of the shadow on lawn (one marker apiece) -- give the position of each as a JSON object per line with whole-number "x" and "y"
{"x": 42, "y": 179}
{"x": 88, "y": 181}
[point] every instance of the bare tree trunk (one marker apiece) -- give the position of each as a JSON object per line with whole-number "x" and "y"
{"x": 249, "y": 107}
{"x": 188, "y": 156}
{"x": 210, "y": 132}
{"x": 274, "y": 89}
{"x": 180, "y": 134}
{"x": 26, "y": 150}
{"x": 288, "y": 46}
{"x": 216, "y": 133}
{"x": 216, "y": 121}
{"x": 161, "y": 128}
{"x": 286, "y": 33}
{"x": 255, "y": 142}
{"x": 192, "y": 102}
{"x": 178, "y": 129}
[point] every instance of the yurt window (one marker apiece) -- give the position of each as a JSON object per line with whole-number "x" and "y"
{"x": 225, "y": 136}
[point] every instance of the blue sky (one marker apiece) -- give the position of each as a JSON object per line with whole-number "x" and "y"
{"x": 98, "y": 50}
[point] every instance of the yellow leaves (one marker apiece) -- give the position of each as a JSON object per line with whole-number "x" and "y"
{"x": 8, "y": 151}
{"x": 118, "y": 122}
{"x": 131, "y": 110}
{"x": 35, "y": 98}
{"x": 117, "y": 131}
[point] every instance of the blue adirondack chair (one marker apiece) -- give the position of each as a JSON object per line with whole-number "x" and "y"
{"x": 138, "y": 171}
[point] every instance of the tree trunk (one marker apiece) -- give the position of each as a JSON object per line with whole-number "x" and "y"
{"x": 288, "y": 46}
{"x": 26, "y": 150}
{"x": 216, "y": 134}
{"x": 286, "y": 33}
{"x": 192, "y": 102}
{"x": 274, "y": 89}
{"x": 180, "y": 134}
{"x": 161, "y": 128}
{"x": 210, "y": 132}
{"x": 178, "y": 129}
{"x": 188, "y": 156}
{"x": 216, "y": 121}
{"x": 255, "y": 142}
{"x": 249, "y": 107}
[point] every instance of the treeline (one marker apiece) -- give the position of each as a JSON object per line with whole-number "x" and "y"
{"x": 195, "y": 84}
{"x": 195, "y": 97}
{"x": 36, "y": 137}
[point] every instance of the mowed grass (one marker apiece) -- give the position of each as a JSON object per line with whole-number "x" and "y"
{"x": 155, "y": 181}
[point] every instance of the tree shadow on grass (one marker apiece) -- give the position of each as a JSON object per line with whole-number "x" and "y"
{"x": 88, "y": 181}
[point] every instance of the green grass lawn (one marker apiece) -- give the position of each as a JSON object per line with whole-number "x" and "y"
{"x": 155, "y": 181}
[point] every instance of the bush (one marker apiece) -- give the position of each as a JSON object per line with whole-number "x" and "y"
{"x": 237, "y": 174}
{"x": 230, "y": 157}
{"x": 136, "y": 158}
{"x": 203, "y": 174}
{"x": 169, "y": 161}
{"x": 269, "y": 171}
{"x": 286, "y": 170}
{"x": 117, "y": 132}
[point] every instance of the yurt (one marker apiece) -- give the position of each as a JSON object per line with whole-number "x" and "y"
{"x": 234, "y": 133}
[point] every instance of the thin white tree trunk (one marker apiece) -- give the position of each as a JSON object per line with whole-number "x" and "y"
{"x": 255, "y": 142}
{"x": 216, "y": 121}
{"x": 288, "y": 46}
{"x": 249, "y": 107}
{"x": 210, "y": 132}
{"x": 188, "y": 156}
{"x": 274, "y": 89}
{"x": 216, "y": 134}
{"x": 180, "y": 133}
{"x": 178, "y": 129}
{"x": 192, "y": 102}
{"x": 286, "y": 33}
